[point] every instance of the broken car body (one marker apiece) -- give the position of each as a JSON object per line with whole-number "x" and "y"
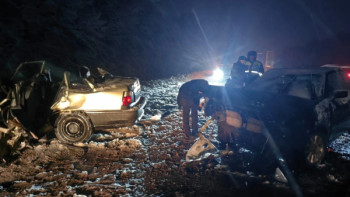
{"x": 77, "y": 106}
{"x": 95, "y": 103}
{"x": 87, "y": 105}
{"x": 302, "y": 109}
{"x": 28, "y": 95}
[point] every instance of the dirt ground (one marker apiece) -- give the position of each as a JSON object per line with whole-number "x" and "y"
{"x": 151, "y": 162}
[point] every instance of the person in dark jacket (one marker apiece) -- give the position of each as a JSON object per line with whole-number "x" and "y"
{"x": 256, "y": 68}
{"x": 238, "y": 72}
{"x": 188, "y": 99}
{"x": 239, "y": 67}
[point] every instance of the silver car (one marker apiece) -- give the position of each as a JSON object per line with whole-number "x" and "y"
{"x": 96, "y": 103}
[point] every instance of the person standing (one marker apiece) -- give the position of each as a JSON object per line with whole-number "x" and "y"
{"x": 238, "y": 72}
{"x": 188, "y": 99}
{"x": 256, "y": 68}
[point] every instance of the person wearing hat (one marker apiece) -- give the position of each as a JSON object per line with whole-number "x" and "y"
{"x": 238, "y": 72}
{"x": 256, "y": 68}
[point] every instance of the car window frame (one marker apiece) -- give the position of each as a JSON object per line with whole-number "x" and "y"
{"x": 18, "y": 69}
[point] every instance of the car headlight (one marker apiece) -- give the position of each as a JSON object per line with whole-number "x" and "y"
{"x": 218, "y": 74}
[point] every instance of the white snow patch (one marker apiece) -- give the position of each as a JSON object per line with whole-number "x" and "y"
{"x": 79, "y": 195}
{"x": 156, "y": 117}
{"x": 36, "y": 187}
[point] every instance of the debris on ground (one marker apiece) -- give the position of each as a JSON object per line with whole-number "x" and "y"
{"x": 152, "y": 161}
{"x": 200, "y": 147}
{"x": 12, "y": 141}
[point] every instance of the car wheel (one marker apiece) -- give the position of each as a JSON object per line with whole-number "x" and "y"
{"x": 73, "y": 127}
{"x": 315, "y": 149}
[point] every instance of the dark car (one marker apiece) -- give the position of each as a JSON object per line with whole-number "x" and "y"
{"x": 302, "y": 110}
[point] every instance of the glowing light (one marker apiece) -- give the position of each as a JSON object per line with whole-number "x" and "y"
{"x": 218, "y": 74}
{"x": 91, "y": 101}
{"x": 64, "y": 104}
{"x": 102, "y": 101}
{"x": 126, "y": 100}
{"x": 348, "y": 75}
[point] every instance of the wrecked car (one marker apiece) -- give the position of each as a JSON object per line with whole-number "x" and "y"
{"x": 75, "y": 107}
{"x": 27, "y": 95}
{"x": 301, "y": 110}
{"x": 93, "y": 103}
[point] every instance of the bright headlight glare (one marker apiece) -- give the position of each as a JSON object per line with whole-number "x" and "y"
{"x": 64, "y": 104}
{"x": 218, "y": 74}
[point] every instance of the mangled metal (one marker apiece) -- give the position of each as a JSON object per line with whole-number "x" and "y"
{"x": 12, "y": 141}
{"x": 201, "y": 146}
{"x": 29, "y": 93}
{"x": 78, "y": 105}
{"x": 294, "y": 104}
{"x": 250, "y": 124}
{"x": 99, "y": 102}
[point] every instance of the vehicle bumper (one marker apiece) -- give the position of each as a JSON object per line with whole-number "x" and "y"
{"x": 117, "y": 118}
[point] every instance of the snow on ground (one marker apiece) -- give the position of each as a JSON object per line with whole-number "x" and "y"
{"x": 148, "y": 159}
{"x": 341, "y": 145}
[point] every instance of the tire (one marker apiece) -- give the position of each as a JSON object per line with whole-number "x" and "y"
{"x": 73, "y": 127}
{"x": 315, "y": 149}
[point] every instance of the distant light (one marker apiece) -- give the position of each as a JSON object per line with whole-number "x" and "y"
{"x": 218, "y": 74}
{"x": 348, "y": 75}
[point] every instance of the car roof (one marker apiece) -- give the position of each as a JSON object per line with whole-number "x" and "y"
{"x": 336, "y": 66}
{"x": 298, "y": 71}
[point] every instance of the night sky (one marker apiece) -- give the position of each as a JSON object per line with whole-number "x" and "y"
{"x": 170, "y": 37}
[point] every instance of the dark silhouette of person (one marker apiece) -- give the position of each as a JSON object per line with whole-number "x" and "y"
{"x": 256, "y": 68}
{"x": 188, "y": 99}
{"x": 238, "y": 72}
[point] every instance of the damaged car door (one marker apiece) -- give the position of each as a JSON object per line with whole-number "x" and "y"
{"x": 336, "y": 98}
{"x": 30, "y": 92}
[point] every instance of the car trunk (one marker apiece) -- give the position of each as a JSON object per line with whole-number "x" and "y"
{"x": 130, "y": 85}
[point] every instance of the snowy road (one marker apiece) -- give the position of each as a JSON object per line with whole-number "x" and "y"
{"x": 150, "y": 162}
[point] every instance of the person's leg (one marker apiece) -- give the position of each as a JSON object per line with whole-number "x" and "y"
{"x": 186, "y": 119}
{"x": 194, "y": 115}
